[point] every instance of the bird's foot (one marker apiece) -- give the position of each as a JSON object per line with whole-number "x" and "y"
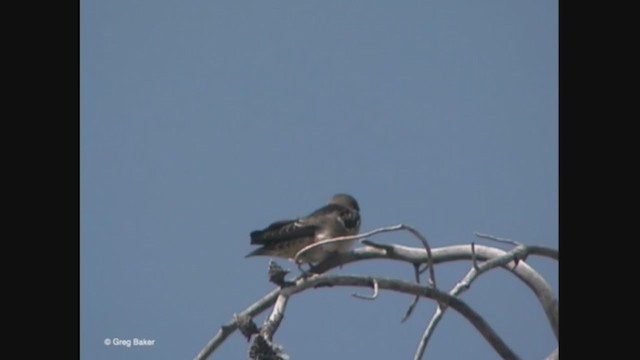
{"x": 305, "y": 273}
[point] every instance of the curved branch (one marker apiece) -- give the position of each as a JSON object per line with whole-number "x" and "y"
{"x": 372, "y": 297}
{"x": 474, "y": 258}
{"x": 411, "y": 288}
{"x": 497, "y": 239}
{"x": 416, "y": 272}
{"x": 416, "y": 233}
{"x": 544, "y": 251}
{"x": 540, "y": 250}
{"x": 412, "y": 255}
{"x": 523, "y": 271}
{"x": 432, "y": 275}
{"x": 463, "y": 285}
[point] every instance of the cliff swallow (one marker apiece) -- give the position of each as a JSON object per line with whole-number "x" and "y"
{"x": 340, "y": 217}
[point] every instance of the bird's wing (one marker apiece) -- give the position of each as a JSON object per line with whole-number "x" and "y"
{"x": 282, "y": 231}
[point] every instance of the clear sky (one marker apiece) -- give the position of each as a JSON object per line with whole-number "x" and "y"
{"x": 204, "y": 120}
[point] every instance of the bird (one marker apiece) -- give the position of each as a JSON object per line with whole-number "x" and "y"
{"x": 284, "y": 238}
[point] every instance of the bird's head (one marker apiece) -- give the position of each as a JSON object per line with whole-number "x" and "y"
{"x": 345, "y": 200}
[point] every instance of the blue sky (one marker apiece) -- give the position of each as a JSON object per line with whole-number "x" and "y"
{"x": 204, "y": 120}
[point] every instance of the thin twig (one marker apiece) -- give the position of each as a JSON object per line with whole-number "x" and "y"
{"x": 416, "y": 273}
{"x": 495, "y": 238}
{"x": 416, "y": 233}
{"x": 426, "y": 266}
{"x": 425, "y": 243}
{"x": 343, "y": 238}
{"x": 474, "y": 258}
{"x": 372, "y": 297}
{"x": 462, "y": 286}
{"x": 410, "y": 309}
{"x": 426, "y": 336}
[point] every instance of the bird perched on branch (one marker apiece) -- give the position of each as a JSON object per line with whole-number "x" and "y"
{"x": 340, "y": 217}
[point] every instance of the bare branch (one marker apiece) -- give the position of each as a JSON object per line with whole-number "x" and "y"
{"x": 246, "y": 326}
{"x": 426, "y": 336}
{"x": 372, "y": 297}
{"x": 420, "y": 271}
{"x": 416, "y": 233}
{"x": 410, "y": 309}
{"x": 463, "y": 285}
{"x": 432, "y": 274}
{"x": 228, "y": 329}
{"x": 497, "y": 239}
{"x": 409, "y": 288}
{"x": 474, "y": 258}
{"x": 437, "y": 316}
{"x": 544, "y": 251}
{"x": 414, "y": 255}
{"x": 302, "y": 251}
{"x": 524, "y": 272}
{"x": 416, "y": 273}
{"x": 272, "y": 323}
{"x": 382, "y": 247}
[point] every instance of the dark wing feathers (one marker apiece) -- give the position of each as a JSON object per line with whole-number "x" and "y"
{"x": 281, "y": 231}
{"x": 306, "y": 227}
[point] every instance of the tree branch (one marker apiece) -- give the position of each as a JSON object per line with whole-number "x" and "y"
{"x": 416, "y": 233}
{"x": 523, "y": 271}
{"x": 416, "y": 272}
{"x": 410, "y": 288}
{"x": 228, "y": 329}
{"x": 372, "y": 297}
{"x": 497, "y": 239}
{"x": 475, "y": 271}
{"x": 272, "y": 323}
{"x": 412, "y": 255}
{"x": 474, "y": 258}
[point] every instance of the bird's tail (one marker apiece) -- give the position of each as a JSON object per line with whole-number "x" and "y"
{"x": 258, "y": 252}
